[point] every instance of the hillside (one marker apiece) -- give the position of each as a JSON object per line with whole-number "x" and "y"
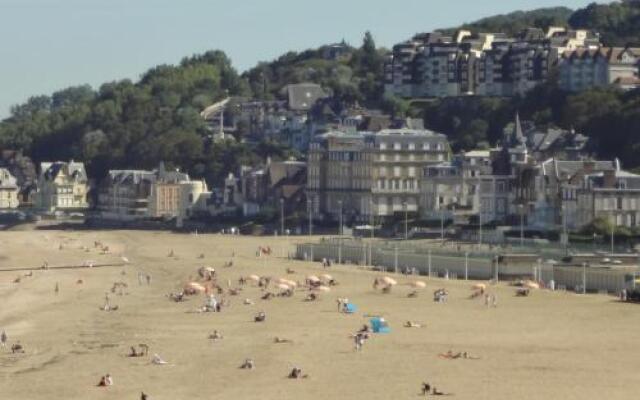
{"x": 137, "y": 124}
{"x": 515, "y": 22}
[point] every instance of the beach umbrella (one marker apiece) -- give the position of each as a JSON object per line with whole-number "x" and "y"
{"x": 283, "y": 286}
{"x": 194, "y": 287}
{"x": 419, "y": 284}
{"x": 254, "y": 278}
{"x": 324, "y": 289}
{"x": 479, "y": 286}
{"x": 326, "y": 277}
{"x": 531, "y": 285}
{"x": 283, "y": 280}
{"x": 313, "y": 278}
{"x": 389, "y": 281}
{"x": 291, "y": 284}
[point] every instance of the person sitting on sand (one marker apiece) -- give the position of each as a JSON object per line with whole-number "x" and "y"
{"x": 17, "y": 348}
{"x": 248, "y": 364}
{"x": 134, "y": 353}
{"x": 411, "y": 324}
{"x": 144, "y": 396}
{"x": 311, "y": 297}
{"x": 364, "y": 329}
{"x": 215, "y": 336}
{"x": 261, "y": 317}
{"x": 267, "y": 296}
{"x": 106, "y": 380}
{"x": 426, "y": 388}
{"x": 296, "y": 373}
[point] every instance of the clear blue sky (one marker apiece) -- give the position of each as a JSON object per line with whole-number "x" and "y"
{"x": 47, "y": 45}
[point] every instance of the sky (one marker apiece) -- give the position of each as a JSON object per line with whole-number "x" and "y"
{"x": 47, "y": 45}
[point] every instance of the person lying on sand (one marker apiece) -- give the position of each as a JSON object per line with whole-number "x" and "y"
{"x": 281, "y": 340}
{"x": 156, "y": 359}
{"x": 468, "y": 356}
{"x": 267, "y": 296}
{"x": 411, "y": 324}
{"x": 17, "y": 348}
{"x": 436, "y": 392}
{"x": 449, "y": 355}
{"x": 290, "y": 271}
{"x": 413, "y": 294}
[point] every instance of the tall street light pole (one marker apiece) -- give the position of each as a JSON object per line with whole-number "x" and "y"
{"x": 479, "y": 211}
{"x": 406, "y": 229}
{"x": 442, "y": 225}
{"x": 521, "y": 207}
{"x": 613, "y": 229}
{"x": 340, "y": 229}
{"x": 281, "y": 216}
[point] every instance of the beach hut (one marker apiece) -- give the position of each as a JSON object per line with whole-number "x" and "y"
{"x": 379, "y": 325}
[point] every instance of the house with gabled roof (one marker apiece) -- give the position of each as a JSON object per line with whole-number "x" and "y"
{"x": 62, "y": 186}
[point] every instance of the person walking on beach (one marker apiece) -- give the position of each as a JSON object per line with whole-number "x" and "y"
{"x": 3, "y": 338}
{"x": 57, "y": 288}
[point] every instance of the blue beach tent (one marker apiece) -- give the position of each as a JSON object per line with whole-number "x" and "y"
{"x": 350, "y": 308}
{"x": 379, "y": 325}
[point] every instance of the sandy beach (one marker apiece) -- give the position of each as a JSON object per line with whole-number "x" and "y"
{"x": 550, "y": 345}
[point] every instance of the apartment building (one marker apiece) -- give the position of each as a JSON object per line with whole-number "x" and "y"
{"x": 62, "y": 186}
{"x": 586, "y": 68}
{"x": 8, "y": 190}
{"x": 612, "y": 195}
{"x": 358, "y": 175}
{"x": 484, "y": 64}
{"x": 139, "y": 194}
{"x": 454, "y": 185}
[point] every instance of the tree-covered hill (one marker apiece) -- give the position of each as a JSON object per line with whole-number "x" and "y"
{"x": 515, "y": 22}
{"x": 127, "y": 124}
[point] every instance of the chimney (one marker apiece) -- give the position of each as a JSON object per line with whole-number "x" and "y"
{"x": 588, "y": 166}
{"x": 609, "y": 179}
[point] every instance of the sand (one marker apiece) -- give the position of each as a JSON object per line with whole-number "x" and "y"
{"x": 547, "y": 346}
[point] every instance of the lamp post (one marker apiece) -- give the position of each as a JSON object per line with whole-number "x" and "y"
{"x": 565, "y": 235}
{"x": 595, "y": 235}
{"x": 340, "y": 229}
{"x": 406, "y": 229}
{"x": 613, "y": 229}
{"x": 373, "y": 227}
{"x": 310, "y": 205}
{"x": 521, "y": 208}
{"x": 479, "y": 212}
{"x": 466, "y": 266}
{"x": 442, "y": 226}
{"x": 584, "y": 278}
{"x": 281, "y": 216}
{"x": 310, "y": 209}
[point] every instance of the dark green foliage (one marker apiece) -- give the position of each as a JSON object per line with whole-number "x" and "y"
{"x": 354, "y": 79}
{"x": 515, "y": 22}
{"x": 618, "y": 23}
{"x": 137, "y": 125}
